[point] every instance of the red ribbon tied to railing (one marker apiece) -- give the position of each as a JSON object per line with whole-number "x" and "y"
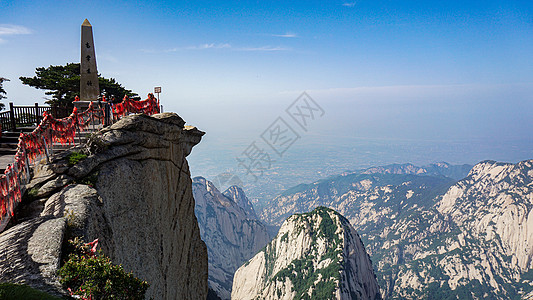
{"x": 149, "y": 106}
{"x": 51, "y": 130}
{"x": 31, "y": 145}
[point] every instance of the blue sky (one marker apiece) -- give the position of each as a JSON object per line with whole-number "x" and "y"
{"x": 419, "y": 70}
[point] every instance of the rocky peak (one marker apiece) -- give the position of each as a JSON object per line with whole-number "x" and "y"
{"x": 473, "y": 242}
{"x": 211, "y": 194}
{"x": 495, "y": 201}
{"x": 238, "y": 196}
{"x": 316, "y": 255}
{"x": 432, "y": 236}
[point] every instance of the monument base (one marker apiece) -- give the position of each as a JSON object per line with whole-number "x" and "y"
{"x": 97, "y": 105}
{"x": 82, "y": 105}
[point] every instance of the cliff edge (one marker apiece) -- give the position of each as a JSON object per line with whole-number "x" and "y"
{"x": 133, "y": 192}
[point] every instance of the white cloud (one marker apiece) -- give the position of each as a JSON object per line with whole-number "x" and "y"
{"x": 205, "y": 46}
{"x": 264, "y": 48}
{"x": 10, "y": 29}
{"x": 214, "y": 46}
{"x": 286, "y": 35}
{"x": 209, "y": 46}
{"x": 349, "y": 4}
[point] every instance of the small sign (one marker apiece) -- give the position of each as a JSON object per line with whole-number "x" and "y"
{"x": 157, "y": 89}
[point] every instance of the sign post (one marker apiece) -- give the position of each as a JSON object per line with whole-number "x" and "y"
{"x": 157, "y": 90}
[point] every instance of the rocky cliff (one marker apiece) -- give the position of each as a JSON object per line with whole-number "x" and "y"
{"x": 432, "y": 237}
{"x": 133, "y": 192}
{"x": 230, "y": 230}
{"x": 474, "y": 242}
{"x": 316, "y": 255}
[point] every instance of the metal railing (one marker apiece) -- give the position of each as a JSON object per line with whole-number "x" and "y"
{"x": 28, "y": 115}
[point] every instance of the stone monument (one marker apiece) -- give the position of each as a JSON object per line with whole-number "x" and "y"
{"x": 89, "y": 88}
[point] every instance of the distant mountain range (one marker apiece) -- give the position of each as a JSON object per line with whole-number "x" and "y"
{"x": 387, "y": 185}
{"x": 437, "y": 231}
{"x": 436, "y": 169}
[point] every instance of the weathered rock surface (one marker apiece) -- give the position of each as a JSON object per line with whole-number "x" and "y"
{"x": 30, "y": 253}
{"x": 140, "y": 207}
{"x": 316, "y": 255}
{"x": 232, "y": 234}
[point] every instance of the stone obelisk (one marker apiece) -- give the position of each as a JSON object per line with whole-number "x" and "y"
{"x": 89, "y": 88}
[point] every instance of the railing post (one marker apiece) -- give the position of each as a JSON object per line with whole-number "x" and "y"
{"x": 104, "y": 110}
{"x": 37, "y": 113}
{"x": 12, "y": 116}
{"x": 108, "y": 115}
{"x": 27, "y": 163}
{"x": 46, "y": 149}
{"x": 51, "y": 140}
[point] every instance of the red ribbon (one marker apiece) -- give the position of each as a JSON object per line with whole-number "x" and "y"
{"x": 63, "y": 131}
{"x": 149, "y": 106}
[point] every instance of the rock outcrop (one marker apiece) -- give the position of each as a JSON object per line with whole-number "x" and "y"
{"x": 316, "y": 255}
{"x": 134, "y": 193}
{"x": 231, "y": 233}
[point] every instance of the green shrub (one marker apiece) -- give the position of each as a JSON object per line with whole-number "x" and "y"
{"x": 11, "y": 291}
{"x": 31, "y": 194}
{"x": 91, "y": 275}
{"x": 75, "y": 157}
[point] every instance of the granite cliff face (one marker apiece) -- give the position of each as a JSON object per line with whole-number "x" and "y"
{"x": 474, "y": 242}
{"x": 230, "y": 230}
{"x": 432, "y": 237}
{"x": 316, "y": 255}
{"x": 138, "y": 203}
